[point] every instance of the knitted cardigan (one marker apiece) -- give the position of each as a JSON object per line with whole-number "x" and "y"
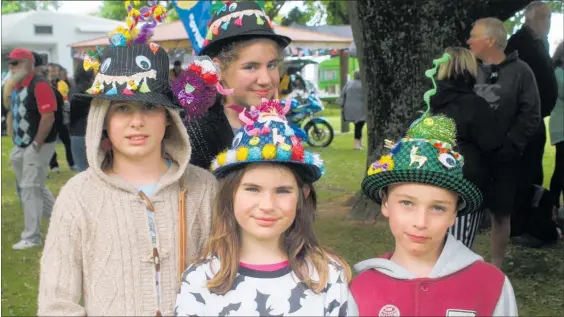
{"x": 98, "y": 245}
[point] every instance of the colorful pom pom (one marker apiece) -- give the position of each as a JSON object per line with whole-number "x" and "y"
{"x": 255, "y": 154}
{"x": 221, "y": 158}
{"x": 298, "y": 153}
{"x": 284, "y": 154}
{"x": 242, "y": 153}
{"x": 308, "y": 158}
{"x": 231, "y": 157}
{"x": 269, "y": 152}
{"x": 254, "y": 141}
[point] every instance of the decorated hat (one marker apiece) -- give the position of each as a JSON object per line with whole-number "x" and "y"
{"x": 267, "y": 137}
{"x": 196, "y": 88}
{"x": 231, "y": 20}
{"x": 130, "y": 69}
{"x": 426, "y": 154}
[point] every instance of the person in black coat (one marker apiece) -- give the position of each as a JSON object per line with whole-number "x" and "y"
{"x": 532, "y": 45}
{"x": 477, "y": 136}
{"x": 79, "y": 108}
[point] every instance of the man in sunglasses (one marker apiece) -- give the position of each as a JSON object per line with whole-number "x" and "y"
{"x": 33, "y": 107}
{"x": 508, "y": 85}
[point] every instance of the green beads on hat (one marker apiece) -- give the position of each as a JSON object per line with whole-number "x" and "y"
{"x": 437, "y": 127}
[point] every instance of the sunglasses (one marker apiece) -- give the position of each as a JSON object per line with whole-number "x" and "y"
{"x": 14, "y": 63}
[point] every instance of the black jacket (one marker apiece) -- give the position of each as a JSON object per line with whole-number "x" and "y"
{"x": 209, "y": 136}
{"x": 79, "y": 108}
{"x": 477, "y": 135}
{"x": 532, "y": 50}
{"x": 511, "y": 90}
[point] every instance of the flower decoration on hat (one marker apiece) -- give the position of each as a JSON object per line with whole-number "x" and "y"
{"x": 130, "y": 34}
{"x": 426, "y": 154}
{"x": 196, "y": 88}
{"x": 267, "y": 137}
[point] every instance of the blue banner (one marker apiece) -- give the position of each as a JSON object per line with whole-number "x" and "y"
{"x": 195, "y": 16}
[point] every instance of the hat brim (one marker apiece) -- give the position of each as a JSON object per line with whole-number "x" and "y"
{"x": 308, "y": 172}
{"x": 151, "y": 98}
{"x": 214, "y": 47}
{"x": 372, "y": 184}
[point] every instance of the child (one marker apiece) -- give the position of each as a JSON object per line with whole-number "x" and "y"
{"x": 121, "y": 231}
{"x": 242, "y": 41}
{"x": 263, "y": 257}
{"x": 421, "y": 189}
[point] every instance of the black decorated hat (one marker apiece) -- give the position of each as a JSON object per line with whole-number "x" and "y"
{"x": 238, "y": 20}
{"x": 130, "y": 69}
{"x": 426, "y": 154}
{"x": 138, "y": 72}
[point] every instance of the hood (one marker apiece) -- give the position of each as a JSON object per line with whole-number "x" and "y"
{"x": 447, "y": 92}
{"x": 513, "y": 56}
{"x": 177, "y": 146}
{"x": 455, "y": 257}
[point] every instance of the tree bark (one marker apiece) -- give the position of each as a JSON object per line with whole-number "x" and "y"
{"x": 396, "y": 41}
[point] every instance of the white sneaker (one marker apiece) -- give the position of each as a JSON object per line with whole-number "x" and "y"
{"x": 25, "y": 244}
{"x": 55, "y": 170}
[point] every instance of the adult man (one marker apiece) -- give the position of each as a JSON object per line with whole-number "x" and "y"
{"x": 33, "y": 107}
{"x": 509, "y": 86}
{"x": 532, "y": 45}
{"x": 61, "y": 117}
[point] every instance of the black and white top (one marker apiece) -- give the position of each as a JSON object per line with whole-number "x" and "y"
{"x": 263, "y": 293}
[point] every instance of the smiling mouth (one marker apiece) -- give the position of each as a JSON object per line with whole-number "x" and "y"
{"x": 261, "y": 92}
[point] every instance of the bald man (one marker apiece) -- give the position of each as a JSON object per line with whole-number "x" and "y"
{"x": 531, "y": 43}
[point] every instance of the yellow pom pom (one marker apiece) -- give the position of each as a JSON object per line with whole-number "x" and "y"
{"x": 269, "y": 152}
{"x": 242, "y": 153}
{"x": 285, "y": 147}
{"x": 254, "y": 141}
{"x": 221, "y": 157}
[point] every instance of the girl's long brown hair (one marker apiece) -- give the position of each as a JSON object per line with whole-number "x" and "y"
{"x": 298, "y": 242}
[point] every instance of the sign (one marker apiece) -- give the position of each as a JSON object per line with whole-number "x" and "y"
{"x": 195, "y": 16}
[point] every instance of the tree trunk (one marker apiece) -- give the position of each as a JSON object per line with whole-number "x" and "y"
{"x": 396, "y": 41}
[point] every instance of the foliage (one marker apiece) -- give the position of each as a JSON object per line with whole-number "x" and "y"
{"x": 115, "y": 10}
{"x": 22, "y": 6}
{"x": 272, "y": 7}
{"x": 297, "y": 16}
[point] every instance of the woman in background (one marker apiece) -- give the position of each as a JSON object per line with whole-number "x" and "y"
{"x": 556, "y": 129}
{"x": 352, "y": 100}
{"x": 475, "y": 124}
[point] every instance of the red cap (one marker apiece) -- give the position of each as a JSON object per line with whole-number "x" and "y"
{"x": 20, "y": 53}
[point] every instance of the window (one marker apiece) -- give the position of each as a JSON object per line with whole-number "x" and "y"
{"x": 43, "y": 29}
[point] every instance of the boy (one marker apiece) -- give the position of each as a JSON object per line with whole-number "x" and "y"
{"x": 422, "y": 190}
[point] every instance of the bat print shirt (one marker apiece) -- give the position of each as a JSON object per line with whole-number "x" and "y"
{"x": 263, "y": 293}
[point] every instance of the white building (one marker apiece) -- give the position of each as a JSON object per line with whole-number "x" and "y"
{"x": 49, "y": 33}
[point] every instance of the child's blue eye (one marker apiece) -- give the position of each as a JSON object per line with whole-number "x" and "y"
{"x": 405, "y": 203}
{"x": 283, "y": 191}
{"x": 249, "y": 67}
{"x": 149, "y": 107}
{"x": 252, "y": 189}
{"x": 121, "y": 108}
{"x": 272, "y": 65}
{"x": 439, "y": 208}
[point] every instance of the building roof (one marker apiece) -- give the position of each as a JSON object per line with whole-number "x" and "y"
{"x": 175, "y": 31}
{"x": 339, "y": 30}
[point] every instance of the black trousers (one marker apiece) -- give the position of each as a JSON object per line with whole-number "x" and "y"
{"x": 63, "y": 132}
{"x": 530, "y": 173}
{"x": 557, "y": 180}
{"x": 358, "y": 129}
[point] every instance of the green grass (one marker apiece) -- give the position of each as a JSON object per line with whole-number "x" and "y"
{"x": 537, "y": 275}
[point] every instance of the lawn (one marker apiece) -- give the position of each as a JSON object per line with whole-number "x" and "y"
{"x": 537, "y": 275}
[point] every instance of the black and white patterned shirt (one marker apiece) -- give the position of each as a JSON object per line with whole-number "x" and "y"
{"x": 263, "y": 293}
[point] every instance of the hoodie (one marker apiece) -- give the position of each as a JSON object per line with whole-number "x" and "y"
{"x": 511, "y": 91}
{"x": 98, "y": 244}
{"x": 460, "y": 282}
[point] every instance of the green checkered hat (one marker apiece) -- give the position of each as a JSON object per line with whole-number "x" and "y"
{"x": 425, "y": 155}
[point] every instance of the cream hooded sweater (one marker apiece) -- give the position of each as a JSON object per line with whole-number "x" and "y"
{"x": 98, "y": 244}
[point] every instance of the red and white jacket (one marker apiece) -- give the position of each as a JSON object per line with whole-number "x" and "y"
{"x": 460, "y": 284}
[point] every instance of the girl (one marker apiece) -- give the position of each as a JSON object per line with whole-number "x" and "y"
{"x": 263, "y": 257}
{"x": 475, "y": 124}
{"x": 241, "y": 40}
{"x": 121, "y": 231}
